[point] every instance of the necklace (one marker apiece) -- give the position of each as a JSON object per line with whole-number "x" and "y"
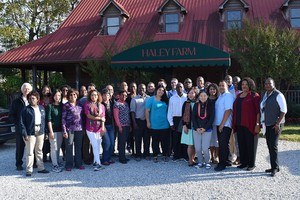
{"x": 199, "y": 110}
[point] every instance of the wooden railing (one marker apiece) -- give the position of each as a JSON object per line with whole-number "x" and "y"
{"x": 293, "y": 96}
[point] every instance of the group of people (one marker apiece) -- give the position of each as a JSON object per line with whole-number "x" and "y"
{"x": 193, "y": 123}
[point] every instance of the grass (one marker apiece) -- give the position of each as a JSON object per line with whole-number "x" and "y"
{"x": 291, "y": 133}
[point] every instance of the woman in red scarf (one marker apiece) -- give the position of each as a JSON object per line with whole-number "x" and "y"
{"x": 187, "y": 131}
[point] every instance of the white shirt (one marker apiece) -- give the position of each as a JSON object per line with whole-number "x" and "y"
{"x": 25, "y": 100}
{"x": 175, "y": 107}
{"x": 223, "y": 103}
{"x": 137, "y": 105}
{"x": 281, "y": 103}
{"x": 37, "y": 115}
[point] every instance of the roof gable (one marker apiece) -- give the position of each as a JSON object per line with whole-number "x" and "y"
{"x": 116, "y": 5}
{"x": 166, "y": 2}
{"x": 288, "y": 3}
{"x": 242, "y": 2}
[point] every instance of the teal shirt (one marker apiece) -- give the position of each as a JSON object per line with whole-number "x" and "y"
{"x": 158, "y": 113}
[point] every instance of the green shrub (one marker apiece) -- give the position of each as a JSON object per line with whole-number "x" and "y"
{"x": 56, "y": 80}
{"x": 293, "y": 111}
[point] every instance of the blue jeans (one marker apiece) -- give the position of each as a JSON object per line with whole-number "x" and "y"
{"x": 108, "y": 143}
{"x": 74, "y": 136}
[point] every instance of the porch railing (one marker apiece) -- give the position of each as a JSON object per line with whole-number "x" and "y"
{"x": 293, "y": 96}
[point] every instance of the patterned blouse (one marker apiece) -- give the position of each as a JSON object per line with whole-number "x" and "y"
{"x": 71, "y": 117}
{"x": 122, "y": 116}
{"x": 94, "y": 109}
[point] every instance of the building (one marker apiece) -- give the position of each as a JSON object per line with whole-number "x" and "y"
{"x": 178, "y": 38}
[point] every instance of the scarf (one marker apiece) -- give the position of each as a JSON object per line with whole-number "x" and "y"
{"x": 187, "y": 112}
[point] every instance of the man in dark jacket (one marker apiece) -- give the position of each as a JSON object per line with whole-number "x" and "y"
{"x": 14, "y": 116}
{"x": 32, "y": 126}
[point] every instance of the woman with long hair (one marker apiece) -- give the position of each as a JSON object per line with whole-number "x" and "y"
{"x": 95, "y": 129}
{"x": 213, "y": 93}
{"x": 54, "y": 113}
{"x": 187, "y": 132}
{"x": 157, "y": 122}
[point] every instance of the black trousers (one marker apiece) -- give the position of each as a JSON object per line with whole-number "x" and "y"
{"x": 87, "y": 150}
{"x": 180, "y": 150}
{"x": 161, "y": 136}
{"x": 130, "y": 142}
{"x": 272, "y": 143}
{"x": 20, "y": 146}
{"x": 223, "y": 138}
{"x": 122, "y": 137}
{"x": 142, "y": 134}
{"x": 247, "y": 146}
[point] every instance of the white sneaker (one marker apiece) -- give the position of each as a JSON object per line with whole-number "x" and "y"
{"x": 200, "y": 165}
{"x": 56, "y": 169}
{"x": 98, "y": 167}
{"x": 207, "y": 166}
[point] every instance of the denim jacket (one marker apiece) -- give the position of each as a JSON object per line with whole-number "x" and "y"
{"x": 27, "y": 121}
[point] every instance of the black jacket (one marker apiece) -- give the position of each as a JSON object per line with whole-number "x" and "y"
{"x": 15, "y": 111}
{"x": 205, "y": 123}
{"x": 27, "y": 121}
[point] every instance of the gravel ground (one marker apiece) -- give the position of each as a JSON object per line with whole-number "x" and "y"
{"x": 148, "y": 180}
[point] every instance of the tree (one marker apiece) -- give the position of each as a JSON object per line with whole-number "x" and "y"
{"x": 25, "y": 20}
{"x": 266, "y": 50}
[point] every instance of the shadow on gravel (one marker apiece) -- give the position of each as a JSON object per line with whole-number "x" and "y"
{"x": 144, "y": 173}
{"x": 290, "y": 159}
{"x": 7, "y": 146}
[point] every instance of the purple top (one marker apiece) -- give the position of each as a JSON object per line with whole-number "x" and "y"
{"x": 94, "y": 109}
{"x": 71, "y": 117}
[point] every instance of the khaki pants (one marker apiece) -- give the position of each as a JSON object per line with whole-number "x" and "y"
{"x": 34, "y": 143}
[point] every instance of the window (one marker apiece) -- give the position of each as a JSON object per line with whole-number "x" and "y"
{"x": 295, "y": 17}
{"x": 171, "y": 23}
{"x": 113, "y": 25}
{"x": 234, "y": 19}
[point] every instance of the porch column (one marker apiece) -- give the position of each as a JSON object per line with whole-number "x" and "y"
{"x": 34, "y": 86}
{"x": 45, "y": 77}
{"x": 23, "y": 74}
{"x": 77, "y": 78}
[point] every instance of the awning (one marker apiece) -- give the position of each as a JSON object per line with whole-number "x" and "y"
{"x": 171, "y": 53}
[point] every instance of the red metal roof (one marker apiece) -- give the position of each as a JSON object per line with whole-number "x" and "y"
{"x": 77, "y": 38}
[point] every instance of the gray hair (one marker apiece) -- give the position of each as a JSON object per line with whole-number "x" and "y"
{"x": 26, "y": 84}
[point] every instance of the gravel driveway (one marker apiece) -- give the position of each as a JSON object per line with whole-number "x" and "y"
{"x": 148, "y": 180}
